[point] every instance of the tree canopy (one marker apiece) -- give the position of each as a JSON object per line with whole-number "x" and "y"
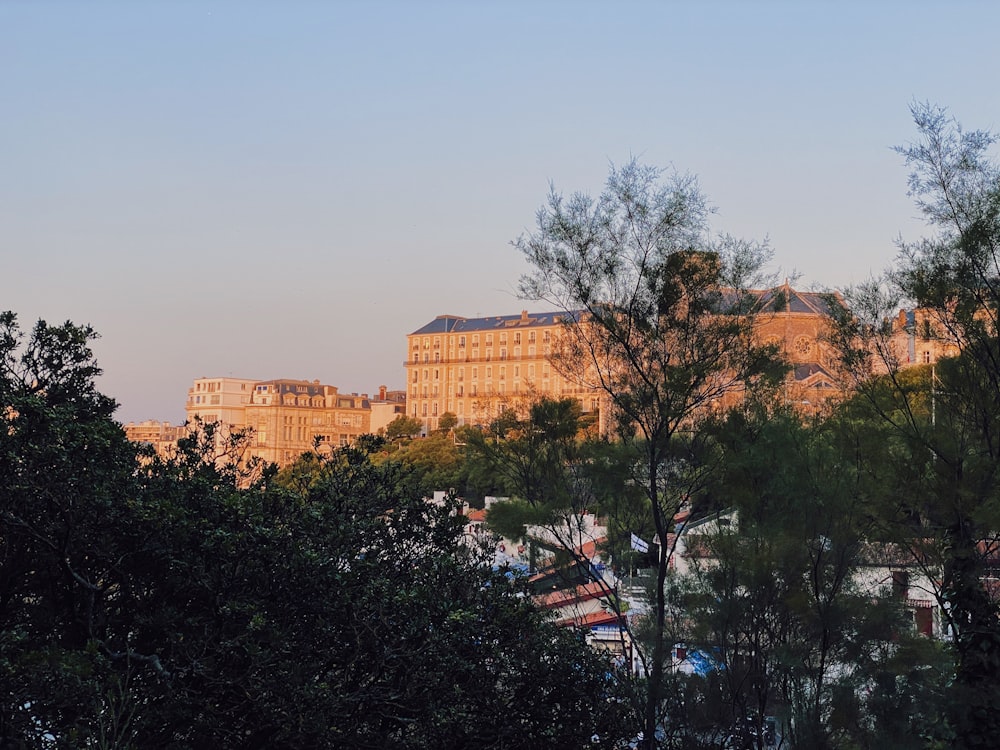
{"x": 151, "y": 602}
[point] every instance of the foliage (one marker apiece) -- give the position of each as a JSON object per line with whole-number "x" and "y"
{"x": 403, "y": 427}
{"x": 436, "y": 462}
{"x": 658, "y": 318}
{"x": 779, "y": 595}
{"x": 152, "y": 602}
{"x": 945, "y": 428}
{"x": 448, "y": 421}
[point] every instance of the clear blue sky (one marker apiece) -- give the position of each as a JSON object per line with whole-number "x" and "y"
{"x": 286, "y": 189}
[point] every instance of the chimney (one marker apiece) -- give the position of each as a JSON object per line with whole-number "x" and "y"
{"x": 524, "y": 316}
{"x": 381, "y": 393}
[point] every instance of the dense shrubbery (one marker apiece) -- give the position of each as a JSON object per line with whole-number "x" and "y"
{"x": 169, "y": 603}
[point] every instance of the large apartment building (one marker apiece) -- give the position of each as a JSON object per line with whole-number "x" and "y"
{"x": 473, "y": 367}
{"x": 285, "y": 417}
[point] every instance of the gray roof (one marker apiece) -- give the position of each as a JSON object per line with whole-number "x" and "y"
{"x": 456, "y": 324}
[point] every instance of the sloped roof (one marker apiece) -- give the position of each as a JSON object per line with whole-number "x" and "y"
{"x": 814, "y": 375}
{"x": 457, "y": 324}
{"x": 574, "y": 595}
{"x": 592, "y": 619}
{"x": 785, "y": 299}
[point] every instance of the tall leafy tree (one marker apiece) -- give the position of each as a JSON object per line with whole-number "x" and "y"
{"x": 779, "y": 596}
{"x": 658, "y": 319}
{"x": 948, "y": 421}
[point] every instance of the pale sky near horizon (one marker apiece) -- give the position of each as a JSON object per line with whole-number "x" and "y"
{"x": 286, "y": 189}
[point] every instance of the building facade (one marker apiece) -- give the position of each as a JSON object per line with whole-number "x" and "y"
{"x": 798, "y": 324}
{"x": 162, "y": 436}
{"x": 284, "y": 418}
{"x": 476, "y": 367}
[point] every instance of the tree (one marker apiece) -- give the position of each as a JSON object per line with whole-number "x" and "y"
{"x": 948, "y": 425}
{"x": 403, "y": 427}
{"x": 448, "y": 421}
{"x": 779, "y": 594}
{"x": 66, "y": 479}
{"x": 150, "y": 602}
{"x": 658, "y": 319}
{"x": 436, "y": 461}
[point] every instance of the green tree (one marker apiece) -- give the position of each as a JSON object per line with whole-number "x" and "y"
{"x": 779, "y": 595}
{"x": 403, "y": 427}
{"x": 949, "y": 425}
{"x": 448, "y": 421}
{"x": 657, "y": 317}
{"x": 168, "y": 603}
{"x": 436, "y": 461}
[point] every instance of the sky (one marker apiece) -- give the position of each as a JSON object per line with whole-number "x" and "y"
{"x": 287, "y": 189}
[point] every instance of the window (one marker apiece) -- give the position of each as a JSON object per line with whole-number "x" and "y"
{"x": 416, "y": 356}
{"x": 503, "y": 354}
{"x": 489, "y": 339}
{"x": 927, "y": 358}
{"x": 547, "y": 336}
{"x": 503, "y": 338}
{"x": 503, "y": 373}
{"x": 415, "y": 376}
{"x": 517, "y": 337}
{"x": 437, "y": 356}
{"x": 437, "y": 374}
{"x": 923, "y": 618}
{"x": 461, "y": 341}
{"x": 434, "y": 409}
{"x": 531, "y": 337}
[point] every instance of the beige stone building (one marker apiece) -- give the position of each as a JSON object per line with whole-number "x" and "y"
{"x": 284, "y": 418}
{"x": 474, "y": 367}
{"x": 920, "y": 338}
{"x": 798, "y": 323}
{"x": 163, "y": 436}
